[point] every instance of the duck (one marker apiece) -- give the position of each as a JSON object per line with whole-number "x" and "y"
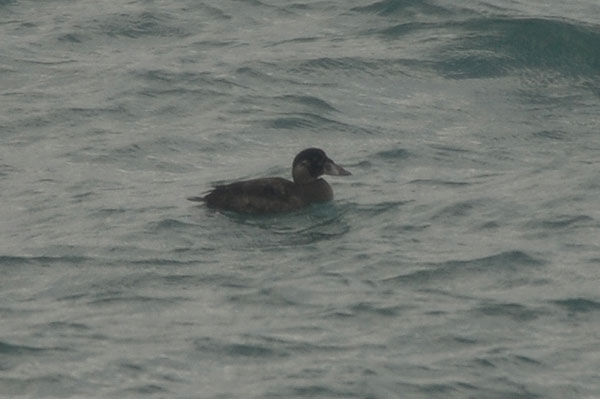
{"x": 276, "y": 194}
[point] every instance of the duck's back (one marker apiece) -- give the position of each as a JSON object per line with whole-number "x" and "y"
{"x": 273, "y": 194}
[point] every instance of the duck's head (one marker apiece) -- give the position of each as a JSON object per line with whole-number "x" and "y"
{"x": 311, "y": 163}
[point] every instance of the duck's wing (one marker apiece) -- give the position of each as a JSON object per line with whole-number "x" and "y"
{"x": 272, "y": 194}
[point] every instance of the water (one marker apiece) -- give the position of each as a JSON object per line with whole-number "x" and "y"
{"x": 461, "y": 259}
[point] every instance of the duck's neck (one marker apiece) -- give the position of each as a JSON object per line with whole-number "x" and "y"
{"x": 301, "y": 175}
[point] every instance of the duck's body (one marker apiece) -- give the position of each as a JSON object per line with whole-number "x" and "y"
{"x": 275, "y": 194}
{"x": 271, "y": 194}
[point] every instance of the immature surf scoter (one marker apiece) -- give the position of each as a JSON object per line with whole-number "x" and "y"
{"x": 275, "y": 194}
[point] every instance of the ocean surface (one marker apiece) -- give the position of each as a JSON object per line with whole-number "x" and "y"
{"x": 460, "y": 260}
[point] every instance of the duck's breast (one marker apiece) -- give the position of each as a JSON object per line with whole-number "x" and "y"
{"x": 317, "y": 191}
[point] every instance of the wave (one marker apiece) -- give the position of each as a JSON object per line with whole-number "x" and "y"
{"x": 499, "y": 46}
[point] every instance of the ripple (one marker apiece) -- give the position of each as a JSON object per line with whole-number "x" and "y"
{"x": 370, "y": 210}
{"x": 255, "y": 73}
{"x": 551, "y": 134}
{"x": 6, "y": 170}
{"x": 43, "y": 260}
{"x": 404, "y": 9}
{"x": 439, "y": 183}
{"x": 49, "y": 385}
{"x": 261, "y": 347}
{"x": 309, "y": 101}
{"x": 249, "y": 350}
{"x": 146, "y": 389}
{"x": 307, "y": 39}
{"x": 396, "y": 154}
{"x": 374, "y": 309}
{"x": 265, "y": 297}
{"x": 333, "y": 63}
{"x": 457, "y": 210}
{"x": 513, "y": 311}
{"x": 11, "y": 349}
{"x": 169, "y": 225}
{"x": 136, "y": 25}
{"x": 183, "y": 79}
{"x": 311, "y": 121}
{"x": 118, "y": 298}
{"x": 62, "y": 325}
{"x": 317, "y": 391}
{"x": 578, "y": 305}
{"x": 561, "y": 222}
{"x": 279, "y": 231}
{"x": 511, "y": 262}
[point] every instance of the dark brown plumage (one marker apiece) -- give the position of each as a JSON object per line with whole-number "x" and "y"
{"x": 275, "y": 194}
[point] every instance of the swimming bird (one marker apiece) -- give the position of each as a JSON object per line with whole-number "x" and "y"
{"x": 276, "y": 194}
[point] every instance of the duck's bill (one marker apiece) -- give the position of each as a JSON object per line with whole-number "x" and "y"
{"x": 331, "y": 168}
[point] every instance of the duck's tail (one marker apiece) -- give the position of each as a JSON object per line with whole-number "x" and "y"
{"x": 196, "y": 199}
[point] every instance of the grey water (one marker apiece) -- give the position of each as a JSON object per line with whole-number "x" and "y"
{"x": 460, "y": 260}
